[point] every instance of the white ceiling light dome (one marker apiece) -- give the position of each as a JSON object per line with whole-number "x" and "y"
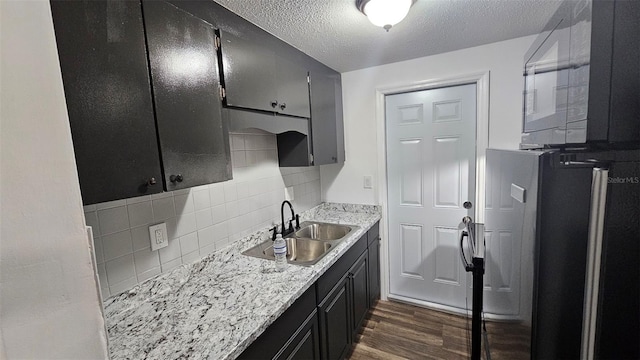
{"x": 384, "y": 13}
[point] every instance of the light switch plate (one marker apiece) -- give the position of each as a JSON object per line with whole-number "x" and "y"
{"x": 368, "y": 182}
{"x": 158, "y": 236}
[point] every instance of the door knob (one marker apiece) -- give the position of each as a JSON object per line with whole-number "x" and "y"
{"x": 283, "y": 106}
{"x": 176, "y": 178}
{"x": 152, "y": 181}
{"x": 467, "y": 205}
{"x": 274, "y": 104}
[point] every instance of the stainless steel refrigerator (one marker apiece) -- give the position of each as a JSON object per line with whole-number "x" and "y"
{"x": 577, "y": 215}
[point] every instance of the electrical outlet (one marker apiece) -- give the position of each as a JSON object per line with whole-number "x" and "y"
{"x": 368, "y": 182}
{"x": 288, "y": 193}
{"x": 158, "y": 236}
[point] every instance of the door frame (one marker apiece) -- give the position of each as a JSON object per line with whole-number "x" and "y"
{"x": 481, "y": 80}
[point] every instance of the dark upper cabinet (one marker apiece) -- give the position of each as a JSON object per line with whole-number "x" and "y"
{"x": 134, "y": 126}
{"x": 326, "y": 118}
{"x": 101, "y": 47}
{"x": 256, "y": 78}
{"x": 248, "y": 73}
{"x": 184, "y": 75}
{"x": 292, "y": 84}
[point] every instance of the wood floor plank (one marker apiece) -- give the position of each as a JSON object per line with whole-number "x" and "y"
{"x": 396, "y": 331}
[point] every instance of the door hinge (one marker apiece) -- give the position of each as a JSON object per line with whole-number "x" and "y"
{"x": 222, "y": 93}
{"x": 216, "y": 42}
{"x": 311, "y": 159}
{"x": 308, "y": 80}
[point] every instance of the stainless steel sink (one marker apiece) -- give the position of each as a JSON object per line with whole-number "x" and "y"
{"x": 306, "y": 246}
{"x": 323, "y": 231}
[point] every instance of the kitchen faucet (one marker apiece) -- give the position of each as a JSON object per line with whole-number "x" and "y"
{"x": 294, "y": 216}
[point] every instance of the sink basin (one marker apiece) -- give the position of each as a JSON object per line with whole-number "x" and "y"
{"x": 301, "y": 250}
{"x": 323, "y": 231}
{"x": 306, "y": 246}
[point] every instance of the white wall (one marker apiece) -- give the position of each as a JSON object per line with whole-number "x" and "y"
{"x": 344, "y": 182}
{"x": 49, "y": 303}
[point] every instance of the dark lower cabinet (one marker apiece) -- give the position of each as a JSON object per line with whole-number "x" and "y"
{"x": 335, "y": 324}
{"x": 333, "y": 310}
{"x": 374, "y": 270}
{"x": 294, "y": 335}
{"x": 305, "y": 343}
{"x": 359, "y": 282}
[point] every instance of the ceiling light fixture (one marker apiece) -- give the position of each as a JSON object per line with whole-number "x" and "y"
{"x": 384, "y": 13}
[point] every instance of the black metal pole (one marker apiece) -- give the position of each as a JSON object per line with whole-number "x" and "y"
{"x": 476, "y": 314}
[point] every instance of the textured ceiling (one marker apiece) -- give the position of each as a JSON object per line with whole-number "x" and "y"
{"x": 338, "y": 35}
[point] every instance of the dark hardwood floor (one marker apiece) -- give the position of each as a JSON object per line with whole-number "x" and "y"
{"x": 401, "y": 331}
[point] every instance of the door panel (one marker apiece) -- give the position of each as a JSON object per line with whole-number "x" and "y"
{"x": 431, "y": 173}
{"x": 184, "y": 74}
{"x": 448, "y": 177}
{"x": 249, "y": 73}
{"x": 292, "y": 88}
{"x": 411, "y": 172}
{"x": 335, "y": 322}
{"x": 108, "y": 93}
{"x": 508, "y": 233}
{"x": 445, "y": 262}
{"x": 411, "y": 245}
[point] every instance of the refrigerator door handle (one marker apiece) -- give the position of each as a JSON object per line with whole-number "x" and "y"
{"x": 467, "y": 266}
{"x": 594, "y": 254}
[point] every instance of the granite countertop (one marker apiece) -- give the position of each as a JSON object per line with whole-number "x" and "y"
{"x": 216, "y": 307}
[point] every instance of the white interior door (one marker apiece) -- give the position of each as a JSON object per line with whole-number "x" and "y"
{"x": 431, "y": 142}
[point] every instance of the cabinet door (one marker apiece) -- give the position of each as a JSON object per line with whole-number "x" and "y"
{"x": 249, "y": 74}
{"x": 359, "y": 279}
{"x": 374, "y": 271}
{"x": 184, "y": 75}
{"x": 305, "y": 344}
{"x": 292, "y": 87}
{"x": 326, "y": 118}
{"x": 335, "y": 329}
{"x": 106, "y": 82}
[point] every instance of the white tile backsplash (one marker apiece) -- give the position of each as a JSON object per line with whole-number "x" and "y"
{"x": 116, "y": 245}
{"x": 113, "y": 220}
{"x": 199, "y": 220}
{"x": 163, "y": 208}
{"x": 189, "y": 243}
{"x": 140, "y": 213}
{"x": 170, "y": 252}
{"x": 120, "y": 269}
{"x": 201, "y": 199}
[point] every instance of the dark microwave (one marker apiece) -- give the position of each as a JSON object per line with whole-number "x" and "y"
{"x": 582, "y": 77}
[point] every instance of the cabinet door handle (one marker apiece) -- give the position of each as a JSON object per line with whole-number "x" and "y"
{"x": 176, "y": 178}
{"x": 152, "y": 181}
{"x": 283, "y": 106}
{"x": 274, "y": 104}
